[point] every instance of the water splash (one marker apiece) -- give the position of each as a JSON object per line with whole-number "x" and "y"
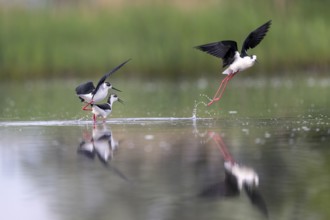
{"x": 194, "y": 112}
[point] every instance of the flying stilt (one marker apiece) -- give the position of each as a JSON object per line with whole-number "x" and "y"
{"x": 243, "y": 174}
{"x": 238, "y": 177}
{"x": 90, "y": 94}
{"x": 103, "y": 110}
{"x": 235, "y": 60}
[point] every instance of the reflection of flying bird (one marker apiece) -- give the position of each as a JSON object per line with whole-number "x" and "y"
{"x": 103, "y": 110}
{"x": 237, "y": 178}
{"x": 87, "y": 92}
{"x": 228, "y": 52}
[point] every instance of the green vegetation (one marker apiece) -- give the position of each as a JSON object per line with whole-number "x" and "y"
{"x": 78, "y": 41}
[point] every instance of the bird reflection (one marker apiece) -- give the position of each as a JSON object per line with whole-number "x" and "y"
{"x": 101, "y": 144}
{"x": 237, "y": 178}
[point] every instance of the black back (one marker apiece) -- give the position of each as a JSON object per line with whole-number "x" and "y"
{"x": 102, "y": 80}
{"x": 104, "y": 106}
{"x": 85, "y": 88}
{"x": 255, "y": 37}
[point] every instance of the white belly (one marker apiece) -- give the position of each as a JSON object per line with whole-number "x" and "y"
{"x": 100, "y": 112}
{"x": 239, "y": 65}
{"x": 243, "y": 174}
{"x": 86, "y": 97}
{"x": 100, "y": 95}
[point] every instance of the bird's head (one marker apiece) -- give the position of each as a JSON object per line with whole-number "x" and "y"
{"x": 107, "y": 85}
{"x": 254, "y": 58}
{"x": 112, "y": 98}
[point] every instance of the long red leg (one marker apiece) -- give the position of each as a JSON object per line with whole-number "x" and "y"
{"x": 222, "y": 88}
{"x": 219, "y": 90}
{"x": 222, "y": 147}
{"x": 94, "y": 118}
{"x": 215, "y": 95}
{"x": 85, "y": 106}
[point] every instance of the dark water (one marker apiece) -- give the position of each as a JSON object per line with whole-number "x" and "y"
{"x": 157, "y": 168}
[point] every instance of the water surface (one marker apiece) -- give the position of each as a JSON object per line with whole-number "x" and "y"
{"x": 158, "y": 167}
{"x": 54, "y": 164}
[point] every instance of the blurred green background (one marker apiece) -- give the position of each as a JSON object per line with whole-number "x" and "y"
{"x": 73, "y": 39}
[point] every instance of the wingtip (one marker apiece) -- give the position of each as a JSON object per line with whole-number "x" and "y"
{"x": 197, "y": 47}
{"x": 127, "y": 60}
{"x": 269, "y": 22}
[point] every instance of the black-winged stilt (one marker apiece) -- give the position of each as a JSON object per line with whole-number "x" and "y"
{"x": 103, "y": 110}
{"x": 237, "y": 178}
{"x": 100, "y": 143}
{"x": 244, "y": 175}
{"x": 90, "y": 94}
{"x": 237, "y": 61}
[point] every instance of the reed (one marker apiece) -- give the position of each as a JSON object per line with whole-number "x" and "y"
{"x": 159, "y": 37}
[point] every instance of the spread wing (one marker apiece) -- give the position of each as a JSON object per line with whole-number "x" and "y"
{"x": 257, "y": 200}
{"x": 222, "y": 49}
{"x": 102, "y": 80}
{"x": 85, "y": 88}
{"x": 255, "y": 37}
{"x": 219, "y": 190}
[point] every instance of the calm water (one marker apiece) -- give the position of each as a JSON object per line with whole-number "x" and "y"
{"x": 55, "y": 165}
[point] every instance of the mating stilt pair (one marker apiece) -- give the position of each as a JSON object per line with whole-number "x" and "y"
{"x": 90, "y": 94}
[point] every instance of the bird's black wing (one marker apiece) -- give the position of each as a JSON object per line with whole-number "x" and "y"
{"x": 257, "y": 200}
{"x": 103, "y": 106}
{"x": 255, "y": 37}
{"x": 85, "y": 88}
{"x": 219, "y": 190}
{"x": 222, "y": 49}
{"x": 102, "y": 80}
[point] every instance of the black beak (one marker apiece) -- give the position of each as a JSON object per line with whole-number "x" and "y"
{"x": 121, "y": 101}
{"x": 116, "y": 89}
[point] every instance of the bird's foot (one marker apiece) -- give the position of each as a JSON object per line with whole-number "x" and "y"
{"x": 210, "y": 103}
{"x": 85, "y": 108}
{"x": 213, "y": 100}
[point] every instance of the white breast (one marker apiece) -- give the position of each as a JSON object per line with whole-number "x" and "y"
{"x": 239, "y": 64}
{"x": 100, "y": 94}
{"x": 100, "y": 112}
{"x": 86, "y": 97}
{"x": 244, "y": 175}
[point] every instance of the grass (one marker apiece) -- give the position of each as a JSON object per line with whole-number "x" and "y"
{"x": 78, "y": 41}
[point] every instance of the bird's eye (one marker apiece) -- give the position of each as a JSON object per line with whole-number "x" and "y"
{"x": 108, "y": 84}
